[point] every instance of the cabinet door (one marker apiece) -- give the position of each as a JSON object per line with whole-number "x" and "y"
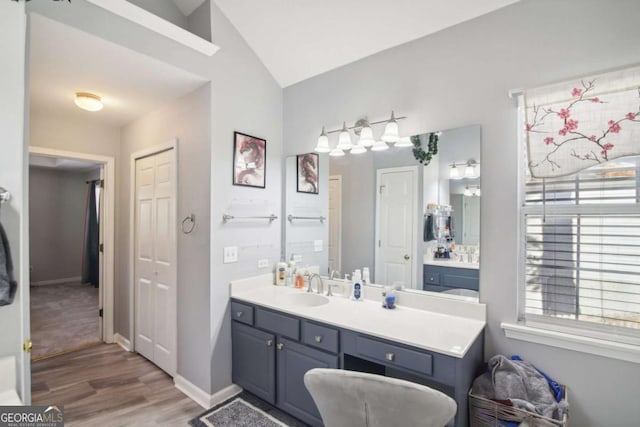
{"x": 253, "y": 360}
{"x": 294, "y": 360}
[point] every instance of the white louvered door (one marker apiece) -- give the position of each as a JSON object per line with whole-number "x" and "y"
{"x": 155, "y": 263}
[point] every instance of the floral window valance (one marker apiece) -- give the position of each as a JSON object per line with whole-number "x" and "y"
{"x": 578, "y": 124}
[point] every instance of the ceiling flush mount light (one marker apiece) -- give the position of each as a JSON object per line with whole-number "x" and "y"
{"x": 88, "y": 101}
{"x": 366, "y": 140}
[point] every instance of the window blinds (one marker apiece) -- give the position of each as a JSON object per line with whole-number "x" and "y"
{"x": 582, "y": 245}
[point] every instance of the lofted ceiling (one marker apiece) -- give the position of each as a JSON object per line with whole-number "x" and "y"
{"x": 298, "y": 39}
{"x": 64, "y": 60}
{"x": 188, "y": 6}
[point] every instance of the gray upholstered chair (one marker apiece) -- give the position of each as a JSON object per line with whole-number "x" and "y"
{"x": 356, "y": 399}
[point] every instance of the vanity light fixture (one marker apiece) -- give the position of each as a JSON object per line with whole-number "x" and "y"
{"x": 454, "y": 173}
{"x": 366, "y": 140}
{"x": 88, "y": 101}
{"x": 472, "y": 191}
{"x": 470, "y": 169}
{"x": 323, "y": 142}
{"x": 391, "y": 133}
{"x": 404, "y": 141}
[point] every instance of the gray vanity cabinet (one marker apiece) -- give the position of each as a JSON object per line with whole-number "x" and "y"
{"x": 439, "y": 279}
{"x": 254, "y": 361}
{"x": 294, "y": 360}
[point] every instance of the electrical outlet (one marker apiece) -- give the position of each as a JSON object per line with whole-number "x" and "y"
{"x": 297, "y": 258}
{"x": 263, "y": 263}
{"x": 230, "y": 254}
{"x": 317, "y": 245}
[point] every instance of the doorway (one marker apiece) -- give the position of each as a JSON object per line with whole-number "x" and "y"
{"x": 71, "y": 250}
{"x": 396, "y": 226}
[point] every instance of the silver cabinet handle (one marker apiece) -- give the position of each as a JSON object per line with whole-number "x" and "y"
{"x": 390, "y": 357}
{"x": 239, "y": 314}
{"x": 318, "y": 338}
{"x": 269, "y": 343}
{"x": 280, "y": 346}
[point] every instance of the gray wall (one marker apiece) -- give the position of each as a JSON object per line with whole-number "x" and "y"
{"x": 461, "y": 76}
{"x": 188, "y": 120}
{"x": 244, "y": 97}
{"x": 13, "y": 174}
{"x": 57, "y": 202}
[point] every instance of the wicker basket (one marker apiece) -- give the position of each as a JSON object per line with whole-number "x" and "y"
{"x": 488, "y": 413}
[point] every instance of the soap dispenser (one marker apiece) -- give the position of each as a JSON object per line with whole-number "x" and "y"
{"x": 356, "y": 287}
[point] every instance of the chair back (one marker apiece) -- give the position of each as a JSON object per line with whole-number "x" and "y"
{"x": 357, "y": 399}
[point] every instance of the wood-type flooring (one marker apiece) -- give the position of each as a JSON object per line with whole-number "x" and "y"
{"x": 105, "y": 385}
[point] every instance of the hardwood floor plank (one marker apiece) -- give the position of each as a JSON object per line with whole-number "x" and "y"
{"x": 105, "y": 385}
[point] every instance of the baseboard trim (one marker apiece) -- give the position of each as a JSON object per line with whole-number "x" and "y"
{"x": 122, "y": 341}
{"x": 200, "y": 396}
{"x": 56, "y": 281}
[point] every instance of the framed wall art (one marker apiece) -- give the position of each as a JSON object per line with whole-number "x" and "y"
{"x": 307, "y": 173}
{"x": 249, "y": 160}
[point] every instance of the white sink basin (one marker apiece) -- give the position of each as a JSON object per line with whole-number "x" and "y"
{"x": 304, "y": 300}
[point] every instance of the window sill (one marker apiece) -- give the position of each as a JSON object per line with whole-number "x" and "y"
{"x": 600, "y": 347}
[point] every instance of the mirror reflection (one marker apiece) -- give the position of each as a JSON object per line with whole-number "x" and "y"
{"x": 409, "y": 224}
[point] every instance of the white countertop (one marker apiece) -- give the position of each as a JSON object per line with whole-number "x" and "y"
{"x": 442, "y": 333}
{"x": 428, "y": 260}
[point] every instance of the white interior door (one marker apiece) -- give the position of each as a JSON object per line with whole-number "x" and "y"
{"x": 335, "y": 223}
{"x": 396, "y": 228}
{"x": 155, "y": 259}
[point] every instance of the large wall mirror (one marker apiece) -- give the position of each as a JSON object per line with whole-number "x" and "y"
{"x": 410, "y": 224}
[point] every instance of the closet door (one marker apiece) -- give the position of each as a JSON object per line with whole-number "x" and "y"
{"x": 155, "y": 263}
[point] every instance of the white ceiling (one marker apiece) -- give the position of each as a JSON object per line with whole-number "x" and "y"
{"x": 61, "y": 163}
{"x": 298, "y": 39}
{"x": 188, "y": 6}
{"x": 64, "y": 60}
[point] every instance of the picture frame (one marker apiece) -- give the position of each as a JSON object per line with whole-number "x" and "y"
{"x": 307, "y": 167}
{"x": 249, "y": 160}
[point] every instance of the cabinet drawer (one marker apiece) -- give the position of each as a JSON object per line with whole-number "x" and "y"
{"x": 242, "y": 313}
{"x": 431, "y": 278}
{"x": 320, "y": 337}
{"x": 277, "y": 323}
{"x": 393, "y": 355}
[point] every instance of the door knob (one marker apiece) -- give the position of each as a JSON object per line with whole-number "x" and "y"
{"x": 406, "y": 257}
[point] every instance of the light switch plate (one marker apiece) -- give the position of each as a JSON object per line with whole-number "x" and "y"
{"x": 317, "y": 245}
{"x": 263, "y": 263}
{"x": 230, "y": 254}
{"x": 297, "y": 258}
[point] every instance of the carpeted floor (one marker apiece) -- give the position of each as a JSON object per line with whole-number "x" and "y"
{"x": 63, "y": 317}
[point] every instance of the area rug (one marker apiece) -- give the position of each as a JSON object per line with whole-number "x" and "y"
{"x": 245, "y": 410}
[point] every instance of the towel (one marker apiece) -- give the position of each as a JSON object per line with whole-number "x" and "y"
{"x": 8, "y": 285}
{"x": 429, "y": 228}
{"x": 522, "y": 384}
{"x": 450, "y": 224}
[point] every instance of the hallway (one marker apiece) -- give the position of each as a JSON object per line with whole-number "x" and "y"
{"x": 105, "y": 385}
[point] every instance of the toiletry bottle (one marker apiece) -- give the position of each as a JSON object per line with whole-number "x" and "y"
{"x": 356, "y": 287}
{"x": 289, "y": 277}
{"x": 365, "y": 276}
{"x": 299, "y": 279}
{"x": 281, "y": 273}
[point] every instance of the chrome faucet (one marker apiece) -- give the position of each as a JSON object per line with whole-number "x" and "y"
{"x": 333, "y": 274}
{"x": 320, "y": 288}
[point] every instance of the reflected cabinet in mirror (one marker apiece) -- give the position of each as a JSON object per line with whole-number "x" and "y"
{"x": 411, "y": 225}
